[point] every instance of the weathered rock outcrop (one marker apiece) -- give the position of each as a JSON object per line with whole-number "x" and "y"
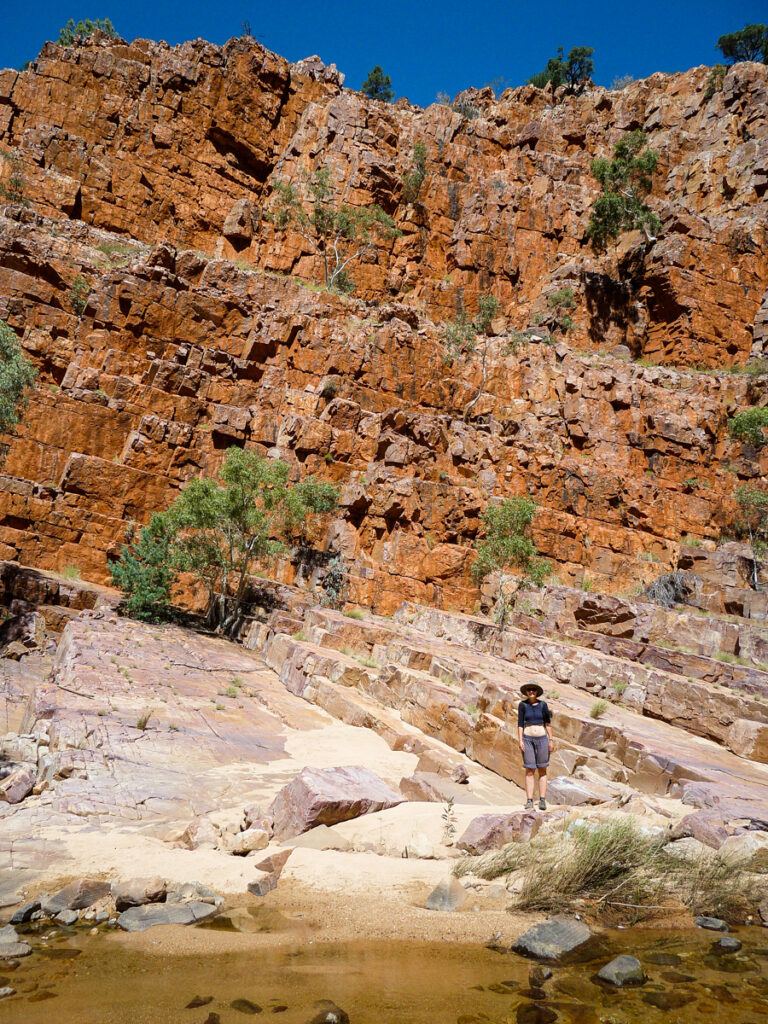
{"x": 148, "y": 169}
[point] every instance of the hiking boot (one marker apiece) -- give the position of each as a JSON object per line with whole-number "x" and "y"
{"x": 528, "y": 805}
{"x": 542, "y": 804}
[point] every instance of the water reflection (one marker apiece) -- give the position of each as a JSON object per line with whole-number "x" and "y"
{"x": 87, "y": 979}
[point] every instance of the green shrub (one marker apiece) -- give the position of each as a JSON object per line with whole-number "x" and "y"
{"x": 78, "y": 295}
{"x": 750, "y": 426}
{"x": 70, "y": 572}
{"x": 73, "y": 31}
{"x": 16, "y": 375}
{"x": 715, "y": 80}
{"x": 414, "y": 179}
{"x": 14, "y": 187}
{"x": 625, "y": 181}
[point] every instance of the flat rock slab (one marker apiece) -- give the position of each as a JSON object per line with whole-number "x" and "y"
{"x": 622, "y": 970}
{"x": 326, "y": 796}
{"x": 552, "y": 939}
{"x": 138, "y": 919}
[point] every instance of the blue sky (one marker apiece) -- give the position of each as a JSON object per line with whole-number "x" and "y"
{"x": 424, "y": 47}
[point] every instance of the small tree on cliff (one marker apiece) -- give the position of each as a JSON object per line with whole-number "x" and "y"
{"x": 625, "y": 180}
{"x": 16, "y": 375}
{"x": 144, "y": 571}
{"x": 339, "y": 234}
{"x": 73, "y": 31}
{"x": 220, "y": 532}
{"x": 378, "y": 86}
{"x": 507, "y": 546}
{"x": 575, "y": 70}
{"x": 750, "y": 43}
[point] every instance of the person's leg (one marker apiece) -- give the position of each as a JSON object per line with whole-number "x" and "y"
{"x": 529, "y": 762}
{"x": 543, "y": 783}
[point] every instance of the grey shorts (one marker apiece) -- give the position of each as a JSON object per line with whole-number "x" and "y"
{"x": 536, "y": 753}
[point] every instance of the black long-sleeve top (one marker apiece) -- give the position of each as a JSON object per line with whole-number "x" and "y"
{"x": 533, "y": 714}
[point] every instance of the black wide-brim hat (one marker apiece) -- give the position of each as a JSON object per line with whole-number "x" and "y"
{"x": 532, "y": 685}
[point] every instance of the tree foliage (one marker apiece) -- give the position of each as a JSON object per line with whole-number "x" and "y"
{"x": 575, "y": 70}
{"x": 625, "y": 181}
{"x": 378, "y": 86}
{"x": 753, "y": 520}
{"x": 144, "y": 571}
{"x": 336, "y": 232}
{"x": 219, "y": 531}
{"x": 16, "y": 375}
{"x": 749, "y": 426}
{"x": 750, "y": 43}
{"x": 73, "y": 31}
{"x": 507, "y": 546}
{"x": 414, "y": 179}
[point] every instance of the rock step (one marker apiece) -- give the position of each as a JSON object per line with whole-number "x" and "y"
{"x": 689, "y": 704}
{"x": 652, "y": 755}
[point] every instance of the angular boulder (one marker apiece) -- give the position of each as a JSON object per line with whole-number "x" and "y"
{"x": 552, "y": 939}
{"x": 490, "y": 831}
{"x": 447, "y": 895}
{"x": 135, "y": 892}
{"x": 622, "y": 970}
{"x": 564, "y": 790}
{"x": 76, "y": 896}
{"x": 18, "y": 784}
{"x": 749, "y": 739}
{"x": 238, "y": 227}
{"x": 750, "y": 849}
{"x": 326, "y": 796}
{"x": 243, "y": 843}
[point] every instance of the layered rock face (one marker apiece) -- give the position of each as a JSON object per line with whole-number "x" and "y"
{"x": 148, "y": 169}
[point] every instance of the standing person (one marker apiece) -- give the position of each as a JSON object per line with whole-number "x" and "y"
{"x": 534, "y": 733}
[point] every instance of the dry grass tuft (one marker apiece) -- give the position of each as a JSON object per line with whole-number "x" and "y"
{"x": 618, "y": 868}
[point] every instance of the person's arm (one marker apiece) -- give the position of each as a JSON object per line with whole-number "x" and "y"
{"x": 548, "y": 726}
{"x": 520, "y": 725}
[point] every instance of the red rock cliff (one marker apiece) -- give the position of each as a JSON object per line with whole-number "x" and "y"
{"x": 147, "y": 168}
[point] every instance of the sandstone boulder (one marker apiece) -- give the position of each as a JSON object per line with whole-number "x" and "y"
{"x": 489, "y": 831}
{"x": 748, "y": 848}
{"x": 18, "y": 785}
{"x": 749, "y": 739}
{"x": 564, "y": 790}
{"x": 243, "y": 843}
{"x": 327, "y": 796}
{"x": 238, "y": 227}
{"x": 135, "y": 892}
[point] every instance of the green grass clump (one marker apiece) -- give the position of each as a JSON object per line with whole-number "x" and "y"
{"x": 598, "y": 708}
{"x": 354, "y": 613}
{"x": 70, "y": 572}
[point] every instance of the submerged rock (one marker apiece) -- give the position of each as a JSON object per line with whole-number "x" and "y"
{"x": 714, "y": 924}
{"x": 138, "y": 919}
{"x": 728, "y": 944}
{"x": 552, "y": 939}
{"x": 328, "y": 1013}
{"x": 245, "y": 1006}
{"x": 622, "y": 970}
